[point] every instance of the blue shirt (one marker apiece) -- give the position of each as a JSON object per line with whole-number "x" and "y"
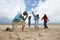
{"x": 36, "y": 17}
{"x": 18, "y": 17}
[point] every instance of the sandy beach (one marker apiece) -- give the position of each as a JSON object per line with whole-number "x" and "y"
{"x": 52, "y": 33}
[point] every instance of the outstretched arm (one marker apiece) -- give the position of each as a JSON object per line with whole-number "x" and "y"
{"x": 47, "y": 19}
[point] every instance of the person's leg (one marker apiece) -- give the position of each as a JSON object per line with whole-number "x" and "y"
{"x": 14, "y": 25}
{"x": 35, "y": 24}
{"x": 29, "y": 24}
{"x": 44, "y": 25}
{"x": 23, "y": 25}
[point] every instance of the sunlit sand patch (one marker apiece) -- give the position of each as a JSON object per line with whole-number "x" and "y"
{"x": 52, "y": 33}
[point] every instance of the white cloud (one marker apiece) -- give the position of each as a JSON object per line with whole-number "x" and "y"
{"x": 9, "y": 8}
{"x": 51, "y": 8}
{"x": 21, "y": 5}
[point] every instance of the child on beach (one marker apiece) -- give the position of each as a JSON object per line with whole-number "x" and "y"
{"x": 45, "y": 18}
{"x": 36, "y": 19}
{"x": 19, "y": 20}
{"x": 29, "y": 21}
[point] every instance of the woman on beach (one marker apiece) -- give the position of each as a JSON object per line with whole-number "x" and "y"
{"x": 36, "y": 19}
{"x": 45, "y": 18}
{"x": 19, "y": 20}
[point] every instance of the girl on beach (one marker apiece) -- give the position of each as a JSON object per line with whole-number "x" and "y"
{"x": 36, "y": 19}
{"x": 45, "y": 18}
{"x": 29, "y": 21}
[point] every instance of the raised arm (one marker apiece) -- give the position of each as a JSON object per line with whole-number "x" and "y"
{"x": 33, "y": 13}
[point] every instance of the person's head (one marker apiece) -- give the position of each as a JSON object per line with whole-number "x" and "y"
{"x": 38, "y": 15}
{"x": 29, "y": 16}
{"x": 25, "y": 13}
{"x": 45, "y": 15}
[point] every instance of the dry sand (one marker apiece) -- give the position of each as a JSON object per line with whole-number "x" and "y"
{"x": 52, "y": 33}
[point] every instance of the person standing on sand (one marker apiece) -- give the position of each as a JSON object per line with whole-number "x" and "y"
{"x": 29, "y": 21}
{"x": 36, "y": 19}
{"x": 19, "y": 20}
{"x": 45, "y": 18}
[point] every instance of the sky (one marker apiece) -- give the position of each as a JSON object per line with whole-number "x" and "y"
{"x": 9, "y": 9}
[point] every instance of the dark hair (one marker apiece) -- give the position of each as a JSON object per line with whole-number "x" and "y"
{"x": 37, "y": 14}
{"x": 25, "y": 13}
{"x": 29, "y": 16}
{"x": 45, "y": 16}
